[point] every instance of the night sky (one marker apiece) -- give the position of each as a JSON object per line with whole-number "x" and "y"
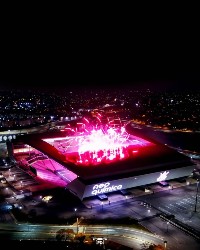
{"x": 160, "y": 54}
{"x": 87, "y": 70}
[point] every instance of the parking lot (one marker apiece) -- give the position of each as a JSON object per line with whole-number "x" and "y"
{"x": 24, "y": 190}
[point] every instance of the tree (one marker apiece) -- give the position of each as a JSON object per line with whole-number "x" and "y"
{"x": 65, "y": 234}
{"x": 155, "y": 247}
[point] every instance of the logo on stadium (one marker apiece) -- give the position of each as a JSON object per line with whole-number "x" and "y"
{"x": 105, "y": 188}
{"x": 163, "y": 176}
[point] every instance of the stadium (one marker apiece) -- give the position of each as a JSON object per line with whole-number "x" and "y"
{"x": 103, "y": 157}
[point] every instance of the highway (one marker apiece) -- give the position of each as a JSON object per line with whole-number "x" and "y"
{"x": 127, "y": 236}
{"x": 124, "y": 235}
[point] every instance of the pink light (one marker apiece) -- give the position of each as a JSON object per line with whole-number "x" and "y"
{"x": 72, "y": 130}
{"x": 99, "y": 144}
{"x": 98, "y": 119}
{"x": 86, "y": 120}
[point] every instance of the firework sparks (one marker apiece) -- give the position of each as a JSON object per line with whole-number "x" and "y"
{"x": 93, "y": 144}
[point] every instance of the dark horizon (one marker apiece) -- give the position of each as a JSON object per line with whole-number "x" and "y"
{"x": 157, "y": 68}
{"x": 118, "y": 78}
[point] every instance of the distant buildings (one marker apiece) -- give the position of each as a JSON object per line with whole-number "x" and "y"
{"x": 172, "y": 110}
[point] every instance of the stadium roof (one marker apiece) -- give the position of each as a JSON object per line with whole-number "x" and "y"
{"x": 151, "y": 158}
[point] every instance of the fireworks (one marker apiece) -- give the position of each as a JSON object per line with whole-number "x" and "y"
{"x": 98, "y": 144}
{"x": 102, "y": 146}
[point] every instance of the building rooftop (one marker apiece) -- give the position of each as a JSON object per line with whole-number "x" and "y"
{"x": 143, "y": 156}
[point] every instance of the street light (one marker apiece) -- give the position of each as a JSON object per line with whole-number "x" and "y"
{"x": 165, "y": 244}
{"x": 195, "y": 208}
{"x": 77, "y": 225}
{"x": 75, "y": 209}
{"x": 167, "y": 225}
{"x": 102, "y": 205}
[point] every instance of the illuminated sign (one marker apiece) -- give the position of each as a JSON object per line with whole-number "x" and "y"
{"x": 163, "y": 176}
{"x": 105, "y": 188}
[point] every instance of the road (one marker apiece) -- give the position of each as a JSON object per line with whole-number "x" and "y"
{"x": 123, "y": 235}
{"x": 180, "y": 202}
{"x": 127, "y": 236}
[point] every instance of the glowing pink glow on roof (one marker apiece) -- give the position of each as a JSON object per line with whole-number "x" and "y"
{"x": 98, "y": 140}
{"x": 98, "y": 146}
{"x": 93, "y": 142}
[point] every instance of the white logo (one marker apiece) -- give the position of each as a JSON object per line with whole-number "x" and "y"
{"x": 163, "y": 176}
{"x": 105, "y": 188}
{"x": 102, "y": 185}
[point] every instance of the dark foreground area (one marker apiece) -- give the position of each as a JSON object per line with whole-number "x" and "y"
{"x": 34, "y": 244}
